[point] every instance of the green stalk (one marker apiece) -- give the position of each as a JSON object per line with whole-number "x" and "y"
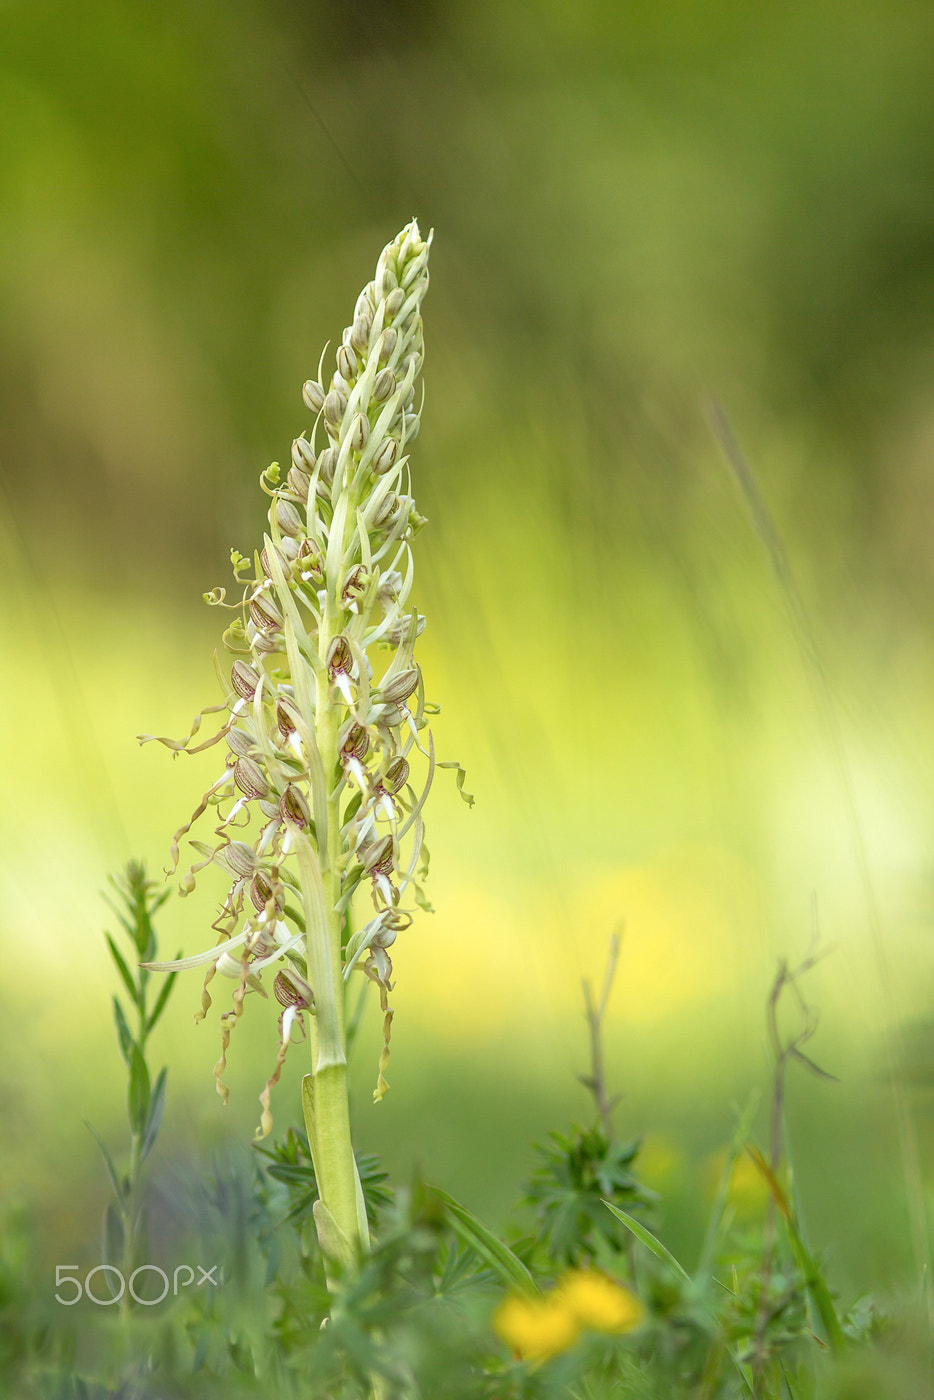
{"x": 327, "y": 1108}
{"x": 130, "y": 1208}
{"x": 130, "y": 1217}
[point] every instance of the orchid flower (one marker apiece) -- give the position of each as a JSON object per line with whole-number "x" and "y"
{"x": 324, "y": 713}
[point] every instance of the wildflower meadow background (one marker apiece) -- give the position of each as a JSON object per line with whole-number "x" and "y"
{"x": 693, "y": 702}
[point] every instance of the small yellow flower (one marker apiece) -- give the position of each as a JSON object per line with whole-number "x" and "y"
{"x": 597, "y": 1302}
{"x": 536, "y": 1328}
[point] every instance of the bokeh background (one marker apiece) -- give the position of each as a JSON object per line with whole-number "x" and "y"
{"x": 639, "y": 210}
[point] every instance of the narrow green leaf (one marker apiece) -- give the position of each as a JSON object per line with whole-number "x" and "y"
{"x": 123, "y": 970}
{"x": 139, "y": 1091}
{"x": 163, "y": 997}
{"x": 154, "y": 1116}
{"x": 113, "y": 1237}
{"x": 483, "y": 1242}
{"x": 705, "y": 1266}
{"x": 649, "y": 1240}
{"x": 108, "y": 1162}
{"x": 817, "y": 1288}
{"x": 124, "y": 1035}
{"x": 809, "y": 1267}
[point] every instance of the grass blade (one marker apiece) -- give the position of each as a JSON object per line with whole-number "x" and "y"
{"x": 649, "y": 1240}
{"x": 123, "y": 970}
{"x": 473, "y": 1233}
{"x": 108, "y": 1161}
{"x": 154, "y": 1115}
{"x": 164, "y": 994}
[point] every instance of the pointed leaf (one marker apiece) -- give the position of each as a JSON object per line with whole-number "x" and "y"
{"x": 113, "y": 1237}
{"x": 139, "y": 1091}
{"x": 778, "y": 1195}
{"x": 108, "y": 1162}
{"x": 163, "y": 997}
{"x": 808, "y": 1063}
{"x": 154, "y": 1116}
{"x": 808, "y": 1265}
{"x": 124, "y": 1034}
{"x": 123, "y": 970}
{"x": 649, "y": 1240}
{"x": 483, "y": 1242}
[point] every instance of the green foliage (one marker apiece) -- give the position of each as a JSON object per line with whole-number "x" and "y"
{"x": 426, "y": 1312}
{"x": 292, "y": 1165}
{"x": 137, "y": 902}
{"x": 575, "y": 1176}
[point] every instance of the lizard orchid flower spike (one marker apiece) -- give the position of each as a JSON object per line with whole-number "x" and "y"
{"x": 324, "y": 715}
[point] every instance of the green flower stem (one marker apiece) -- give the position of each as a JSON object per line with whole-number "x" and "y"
{"x": 130, "y": 1216}
{"x": 132, "y": 1201}
{"x": 330, "y": 1132}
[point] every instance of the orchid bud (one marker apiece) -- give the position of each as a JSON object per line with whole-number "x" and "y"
{"x": 327, "y": 463}
{"x": 377, "y": 858}
{"x": 396, "y": 776}
{"x": 265, "y": 563}
{"x": 387, "y": 344}
{"x": 288, "y": 518}
{"x": 387, "y": 507}
{"x": 359, "y": 433}
{"x": 244, "y": 679}
{"x": 265, "y": 613}
{"x": 383, "y": 459}
{"x": 394, "y": 303}
{"x": 400, "y": 686}
{"x": 360, "y": 333}
{"x": 384, "y": 385}
{"x": 386, "y": 282}
{"x": 340, "y": 657}
{"x": 346, "y": 362}
{"x": 354, "y": 740}
{"x": 313, "y": 394}
{"x": 250, "y": 778}
{"x": 303, "y": 454}
{"x": 292, "y": 990}
{"x": 299, "y": 483}
{"x": 293, "y": 807}
{"x": 335, "y": 406}
{"x": 239, "y": 743}
{"x": 239, "y": 858}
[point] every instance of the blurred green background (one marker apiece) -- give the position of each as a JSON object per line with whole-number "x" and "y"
{"x": 637, "y": 209}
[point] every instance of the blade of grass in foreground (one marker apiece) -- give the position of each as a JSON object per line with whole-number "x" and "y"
{"x": 649, "y": 1240}
{"x": 805, "y": 1261}
{"x": 656, "y": 1247}
{"x": 473, "y": 1233}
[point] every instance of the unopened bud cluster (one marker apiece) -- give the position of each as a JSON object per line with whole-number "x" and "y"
{"x": 324, "y": 699}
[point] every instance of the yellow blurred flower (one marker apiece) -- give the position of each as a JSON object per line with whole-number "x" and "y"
{"x": 747, "y": 1192}
{"x": 597, "y": 1302}
{"x": 660, "y": 1160}
{"x": 536, "y": 1327}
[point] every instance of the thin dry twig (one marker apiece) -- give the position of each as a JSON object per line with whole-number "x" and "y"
{"x": 596, "y": 1080}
